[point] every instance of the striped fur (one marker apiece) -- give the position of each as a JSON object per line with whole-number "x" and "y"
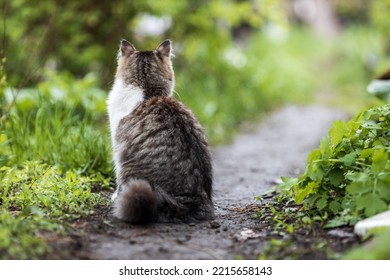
{"x": 163, "y": 164}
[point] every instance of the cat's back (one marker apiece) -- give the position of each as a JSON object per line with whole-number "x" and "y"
{"x": 160, "y": 118}
{"x": 162, "y": 139}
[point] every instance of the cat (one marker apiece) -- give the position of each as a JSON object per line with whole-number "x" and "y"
{"x": 161, "y": 155}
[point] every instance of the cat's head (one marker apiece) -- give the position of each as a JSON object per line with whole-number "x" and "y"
{"x": 151, "y": 71}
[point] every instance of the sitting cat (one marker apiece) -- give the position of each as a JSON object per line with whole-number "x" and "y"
{"x": 162, "y": 161}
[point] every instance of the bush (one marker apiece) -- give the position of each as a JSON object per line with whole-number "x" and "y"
{"x": 348, "y": 177}
{"x": 83, "y": 36}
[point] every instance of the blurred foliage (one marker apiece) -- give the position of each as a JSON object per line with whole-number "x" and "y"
{"x": 375, "y": 249}
{"x": 362, "y": 12}
{"x": 231, "y": 57}
{"x": 380, "y": 17}
{"x": 251, "y": 80}
{"x": 348, "y": 67}
{"x": 82, "y": 36}
{"x": 352, "y": 11}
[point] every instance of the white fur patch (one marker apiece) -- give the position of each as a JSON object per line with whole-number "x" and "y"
{"x": 114, "y": 195}
{"x": 121, "y": 101}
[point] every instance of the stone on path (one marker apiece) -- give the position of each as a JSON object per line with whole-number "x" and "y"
{"x": 379, "y": 220}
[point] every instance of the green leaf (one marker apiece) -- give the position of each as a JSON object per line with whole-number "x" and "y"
{"x": 309, "y": 201}
{"x": 349, "y": 159}
{"x": 334, "y": 206}
{"x": 358, "y": 176}
{"x": 366, "y": 153}
{"x": 287, "y": 184}
{"x": 338, "y": 132}
{"x": 325, "y": 147}
{"x": 371, "y": 204}
{"x": 383, "y": 190}
{"x": 336, "y": 176}
{"x": 306, "y": 220}
{"x": 302, "y": 194}
{"x": 314, "y": 155}
{"x": 314, "y": 171}
{"x": 322, "y": 202}
{"x": 290, "y": 229}
{"x": 336, "y": 222}
{"x": 359, "y": 188}
{"x": 379, "y": 160}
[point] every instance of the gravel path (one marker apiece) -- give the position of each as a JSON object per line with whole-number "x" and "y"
{"x": 246, "y": 168}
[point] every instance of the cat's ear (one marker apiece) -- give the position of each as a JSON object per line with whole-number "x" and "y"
{"x": 165, "y": 48}
{"x": 126, "y": 48}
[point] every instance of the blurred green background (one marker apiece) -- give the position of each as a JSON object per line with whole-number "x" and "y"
{"x": 235, "y": 60}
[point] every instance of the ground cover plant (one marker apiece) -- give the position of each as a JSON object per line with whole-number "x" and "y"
{"x": 348, "y": 177}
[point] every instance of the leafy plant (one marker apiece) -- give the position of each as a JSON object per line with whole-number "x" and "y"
{"x": 36, "y": 198}
{"x": 348, "y": 176}
{"x": 46, "y": 188}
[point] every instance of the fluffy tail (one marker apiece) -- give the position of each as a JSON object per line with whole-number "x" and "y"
{"x": 136, "y": 203}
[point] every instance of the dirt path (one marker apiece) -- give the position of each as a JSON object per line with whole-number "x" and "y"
{"x": 246, "y": 168}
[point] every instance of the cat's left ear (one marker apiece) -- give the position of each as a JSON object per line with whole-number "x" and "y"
{"x": 165, "y": 48}
{"x": 126, "y": 48}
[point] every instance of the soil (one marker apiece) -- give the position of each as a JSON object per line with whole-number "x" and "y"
{"x": 243, "y": 227}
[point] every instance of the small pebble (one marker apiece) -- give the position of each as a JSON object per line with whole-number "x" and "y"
{"x": 183, "y": 239}
{"x": 163, "y": 249}
{"x": 214, "y": 224}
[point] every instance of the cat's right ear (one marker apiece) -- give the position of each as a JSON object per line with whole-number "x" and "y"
{"x": 126, "y": 48}
{"x": 165, "y": 48}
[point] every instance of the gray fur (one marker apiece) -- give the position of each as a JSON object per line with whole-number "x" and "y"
{"x": 164, "y": 171}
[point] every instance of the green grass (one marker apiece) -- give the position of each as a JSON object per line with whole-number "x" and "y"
{"x": 61, "y": 122}
{"x": 54, "y": 158}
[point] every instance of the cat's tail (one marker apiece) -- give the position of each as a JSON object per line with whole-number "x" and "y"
{"x": 136, "y": 203}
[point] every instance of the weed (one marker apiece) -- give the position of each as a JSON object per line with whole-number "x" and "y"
{"x": 347, "y": 177}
